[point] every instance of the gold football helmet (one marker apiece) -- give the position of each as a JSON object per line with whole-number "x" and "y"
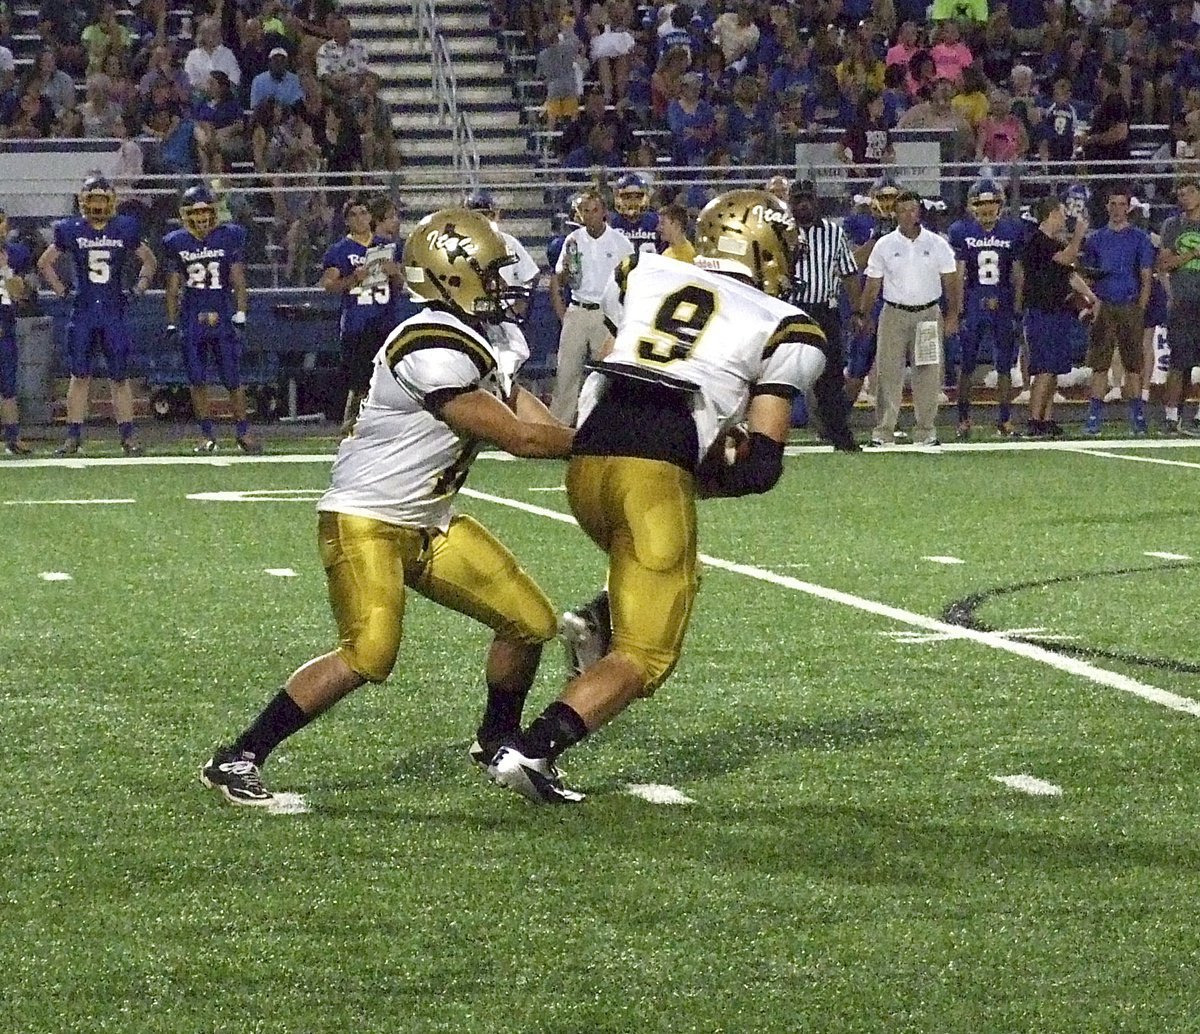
{"x": 884, "y": 192}
{"x": 97, "y": 200}
{"x": 454, "y": 257}
{"x": 198, "y": 212}
{"x": 750, "y": 233}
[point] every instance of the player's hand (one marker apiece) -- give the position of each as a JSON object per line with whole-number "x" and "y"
{"x": 950, "y": 324}
{"x": 858, "y": 324}
{"x": 141, "y": 286}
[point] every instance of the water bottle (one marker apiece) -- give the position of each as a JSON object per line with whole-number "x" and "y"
{"x": 574, "y": 265}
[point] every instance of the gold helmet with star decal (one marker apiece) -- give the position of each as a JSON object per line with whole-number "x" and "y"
{"x": 454, "y": 258}
{"x": 748, "y": 233}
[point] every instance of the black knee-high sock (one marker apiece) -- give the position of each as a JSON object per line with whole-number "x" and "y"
{"x": 553, "y": 731}
{"x": 502, "y": 713}
{"x": 278, "y": 720}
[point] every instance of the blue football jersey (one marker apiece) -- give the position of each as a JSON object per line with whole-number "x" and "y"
{"x": 371, "y": 302}
{"x": 100, "y": 259}
{"x": 989, "y": 257}
{"x": 205, "y": 266}
{"x": 641, "y": 232}
{"x": 21, "y": 263}
{"x": 860, "y": 227}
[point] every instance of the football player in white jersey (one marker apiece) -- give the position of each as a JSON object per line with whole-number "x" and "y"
{"x": 387, "y": 524}
{"x": 697, "y": 350}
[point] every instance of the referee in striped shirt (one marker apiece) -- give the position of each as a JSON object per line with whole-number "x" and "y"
{"x": 824, "y": 260}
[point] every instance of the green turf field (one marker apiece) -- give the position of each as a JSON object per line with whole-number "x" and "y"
{"x": 848, "y": 862}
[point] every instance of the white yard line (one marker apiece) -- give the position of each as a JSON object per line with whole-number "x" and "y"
{"x": 949, "y": 560}
{"x": 658, "y": 793}
{"x": 67, "y": 502}
{"x": 1070, "y": 665}
{"x": 55, "y": 576}
{"x": 1166, "y": 556}
{"x": 280, "y": 572}
{"x": 1103, "y": 454}
{"x": 1029, "y": 784}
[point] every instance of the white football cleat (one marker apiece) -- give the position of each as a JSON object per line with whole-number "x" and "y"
{"x": 535, "y": 779}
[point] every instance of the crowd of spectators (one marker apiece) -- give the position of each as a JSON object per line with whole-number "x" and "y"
{"x": 731, "y": 81}
{"x": 204, "y": 87}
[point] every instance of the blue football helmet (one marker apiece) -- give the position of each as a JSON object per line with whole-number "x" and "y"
{"x": 198, "y": 211}
{"x": 985, "y": 199}
{"x": 631, "y": 195}
{"x": 97, "y": 199}
{"x": 481, "y": 201}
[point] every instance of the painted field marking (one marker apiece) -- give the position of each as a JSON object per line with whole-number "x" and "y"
{"x": 280, "y": 572}
{"x": 556, "y": 488}
{"x": 658, "y": 793}
{"x": 259, "y": 495}
{"x": 55, "y": 576}
{"x": 1029, "y": 784}
{"x": 1166, "y": 556}
{"x": 1070, "y": 665}
{"x": 944, "y": 559}
{"x": 1022, "y": 445}
{"x": 1138, "y": 459}
{"x": 288, "y": 804}
{"x": 68, "y": 502}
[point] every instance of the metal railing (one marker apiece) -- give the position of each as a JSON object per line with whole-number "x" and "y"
{"x": 445, "y": 90}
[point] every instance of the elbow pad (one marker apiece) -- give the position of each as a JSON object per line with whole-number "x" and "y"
{"x": 759, "y": 472}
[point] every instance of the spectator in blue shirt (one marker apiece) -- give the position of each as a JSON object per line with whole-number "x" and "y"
{"x": 1059, "y": 124}
{"x": 795, "y": 68}
{"x": 693, "y": 123}
{"x": 1123, "y": 259}
{"x": 276, "y": 82}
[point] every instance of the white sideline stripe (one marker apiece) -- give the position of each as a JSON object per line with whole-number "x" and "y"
{"x": 1138, "y": 459}
{"x": 55, "y": 576}
{"x": 1166, "y": 556}
{"x": 1070, "y": 665}
{"x": 1001, "y": 445}
{"x": 1030, "y": 785}
{"x": 556, "y": 488}
{"x": 944, "y": 559}
{"x": 658, "y": 793}
{"x": 280, "y": 572}
{"x": 288, "y": 804}
{"x": 67, "y": 502}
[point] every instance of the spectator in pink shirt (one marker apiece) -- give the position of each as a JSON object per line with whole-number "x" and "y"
{"x": 908, "y": 42}
{"x": 950, "y": 54}
{"x": 1001, "y": 138}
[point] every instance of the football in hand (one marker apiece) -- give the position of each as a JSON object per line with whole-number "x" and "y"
{"x": 733, "y": 446}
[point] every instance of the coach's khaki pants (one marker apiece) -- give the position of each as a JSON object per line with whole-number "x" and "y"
{"x": 583, "y": 334}
{"x": 897, "y": 336}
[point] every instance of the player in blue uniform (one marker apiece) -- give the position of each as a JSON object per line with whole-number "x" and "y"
{"x": 101, "y": 246}
{"x": 864, "y": 227}
{"x": 15, "y": 266}
{"x": 633, "y": 218}
{"x": 206, "y": 302}
{"x": 988, "y": 247}
{"x": 361, "y": 267}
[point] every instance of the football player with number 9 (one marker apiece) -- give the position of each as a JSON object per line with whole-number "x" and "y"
{"x": 697, "y": 349}
{"x": 101, "y": 246}
{"x": 987, "y": 245}
{"x": 207, "y": 300}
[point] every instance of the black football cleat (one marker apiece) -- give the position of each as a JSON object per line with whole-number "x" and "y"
{"x": 131, "y": 447}
{"x": 250, "y": 446}
{"x": 535, "y": 779}
{"x": 16, "y": 447}
{"x": 209, "y": 445}
{"x": 236, "y": 777}
{"x": 70, "y": 447}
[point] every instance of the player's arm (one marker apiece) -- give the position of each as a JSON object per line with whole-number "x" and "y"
{"x": 174, "y": 286}
{"x": 1147, "y": 282}
{"x": 952, "y": 287}
{"x": 46, "y": 269}
{"x": 870, "y": 295}
{"x": 241, "y": 292}
{"x": 1084, "y": 288}
{"x": 531, "y": 409}
{"x": 1069, "y": 254}
{"x": 863, "y": 252}
{"x": 556, "y": 296}
{"x": 480, "y": 415}
{"x": 149, "y": 268}
{"x": 758, "y": 469}
{"x": 1018, "y": 279}
{"x": 334, "y": 282}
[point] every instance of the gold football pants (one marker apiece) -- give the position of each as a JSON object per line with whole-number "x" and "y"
{"x": 642, "y": 513}
{"x": 369, "y": 564}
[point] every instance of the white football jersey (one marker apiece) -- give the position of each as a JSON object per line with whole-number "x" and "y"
{"x": 706, "y": 333}
{"x": 403, "y": 465}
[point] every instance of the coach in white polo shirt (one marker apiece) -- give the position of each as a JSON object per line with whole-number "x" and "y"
{"x": 913, "y": 267}
{"x": 588, "y": 257}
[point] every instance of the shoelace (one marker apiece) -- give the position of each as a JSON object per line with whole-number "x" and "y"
{"x": 246, "y": 770}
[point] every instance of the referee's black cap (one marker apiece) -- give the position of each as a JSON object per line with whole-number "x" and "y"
{"x": 803, "y": 188}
